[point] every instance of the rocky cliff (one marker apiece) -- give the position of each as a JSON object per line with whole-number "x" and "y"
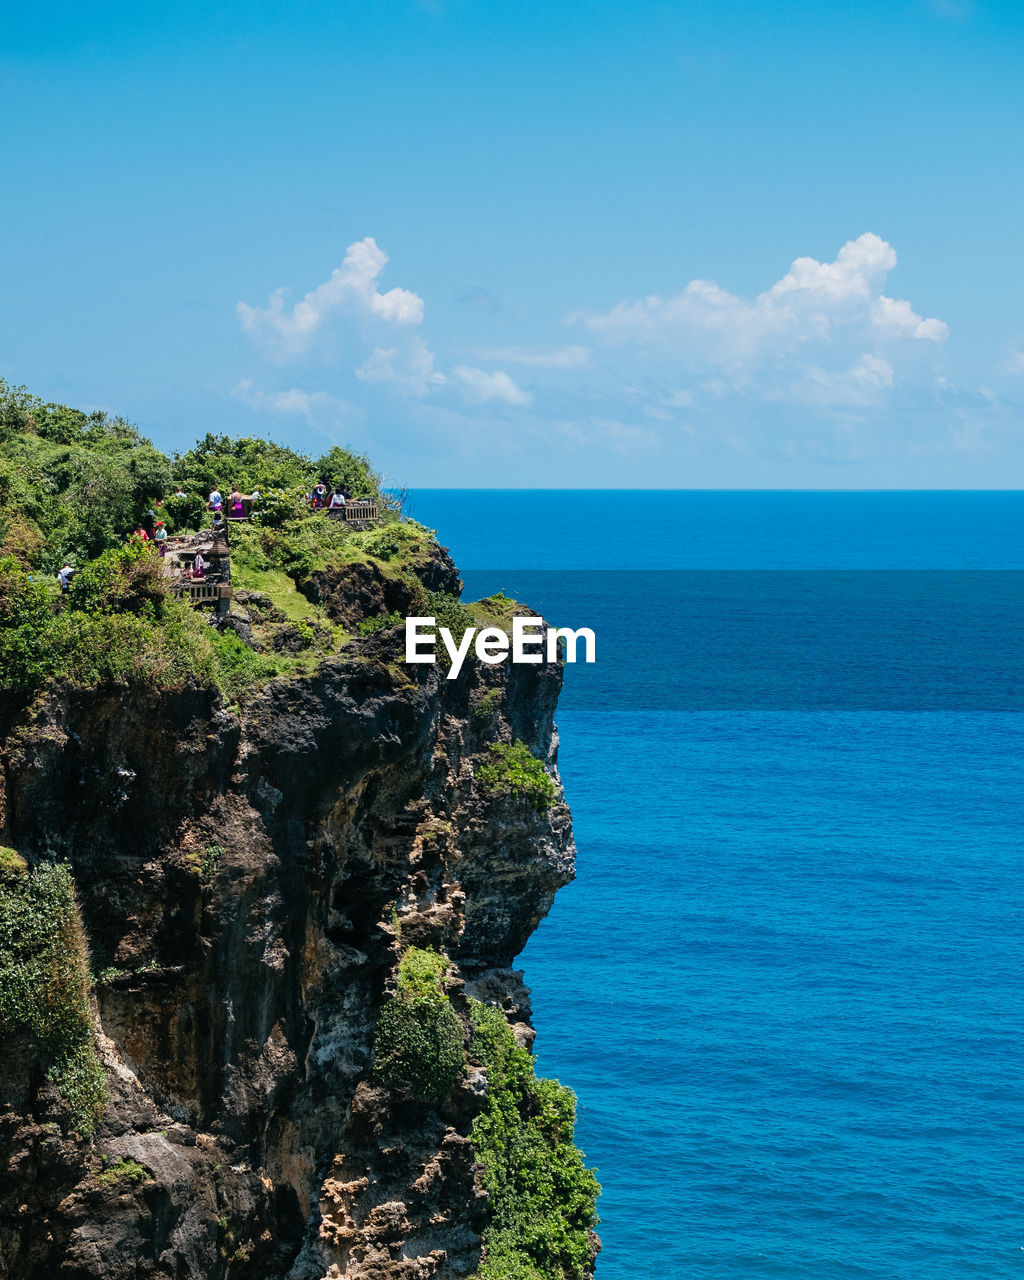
{"x": 247, "y": 878}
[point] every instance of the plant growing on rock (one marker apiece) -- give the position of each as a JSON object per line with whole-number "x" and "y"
{"x": 419, "y": 1036}
{"x": 44, "y": 985}
{"x": 125, "y": 1170}
{"x": 514, "y": 770}
{"x": 542, "y": 1197}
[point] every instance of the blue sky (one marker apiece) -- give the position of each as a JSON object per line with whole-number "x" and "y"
{"x": 517, "y": 244}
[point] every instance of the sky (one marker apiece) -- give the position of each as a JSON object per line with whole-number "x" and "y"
{"x": 714, "y": 244}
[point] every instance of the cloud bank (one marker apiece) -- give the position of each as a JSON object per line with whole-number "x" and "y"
{"x": 814, "y": 304}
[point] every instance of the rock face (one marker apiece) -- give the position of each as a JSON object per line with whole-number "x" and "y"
{"x": 243, "y": 880}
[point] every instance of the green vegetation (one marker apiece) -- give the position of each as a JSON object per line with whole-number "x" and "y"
{"x": 44, "y": 983}
{"x": 71, "y": 484}
{"x": 489, "y": 703}
{"x": 12, "y": 865}
{"x": 207, "y": 862}
{"x": 384, "y": 622}
{"x": 240, "y": 668}
{"x": 74, "y": 486}
{"x": 514, "y": 770}
{"x": 542, "y": 1196}
{"x": 122, "y": 628}
{"x": 124, "y": 1171}
{"x": 419, "y": 1037}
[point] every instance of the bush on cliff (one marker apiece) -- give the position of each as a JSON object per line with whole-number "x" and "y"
{"x": 219, "y": 461}
{"x": 419, "y": 1036}
{"x": 542, "y": 1198}
{"x": 514, "y": 770}
{"x": 44, "y": 983}
{"x": 43, "y": 637}
{"x": 125, "y": 579}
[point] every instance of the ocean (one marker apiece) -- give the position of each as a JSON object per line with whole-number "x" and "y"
{"x": 785, "y": 983}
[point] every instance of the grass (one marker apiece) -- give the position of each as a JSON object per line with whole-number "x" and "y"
{"x": 496, "y": 611}
{"x": 281, "y": 589}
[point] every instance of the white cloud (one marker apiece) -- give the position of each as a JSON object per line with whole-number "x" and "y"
{"x": 572, "y": 357}
{"x": 352, "y": 287}
{"x": 410, "y": 368}
{"x": 482, "y": 386}
{"x": 292, "y": 400}
{"x": 859, "y": 387}
{"x": 814, "y": 304}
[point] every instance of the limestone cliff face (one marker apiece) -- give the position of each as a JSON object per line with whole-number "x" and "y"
{"x": 242, "y": 878}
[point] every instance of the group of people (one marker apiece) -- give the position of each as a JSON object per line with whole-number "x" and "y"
{"x": 150, "y": 529}
{"x": 320, "y": 497}
{"x": 235, "y": 503}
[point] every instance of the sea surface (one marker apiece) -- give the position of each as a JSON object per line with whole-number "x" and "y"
{"x": 786, "y": 983}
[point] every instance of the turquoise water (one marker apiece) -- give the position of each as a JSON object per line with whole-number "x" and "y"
{"x": 785, "y": 983}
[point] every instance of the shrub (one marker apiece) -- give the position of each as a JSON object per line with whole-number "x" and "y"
{"x": 390, "y": 541}
{"x": 514, "y": 770}
{"x": 488, "y": 704}
{"x": 542, "y": 1198}
{"x": 44, "y": 985}
{"x": 91, "y": 648}
{"x": 447, "y": 611}
{"x": 340, "y": 468}
{"x": 419, "y": 1036}
{"x": 205, "y": 864}
{"x": 128, "y": 579}
{"x": 125, "y": 1170}
{"x": 383, "y": 622}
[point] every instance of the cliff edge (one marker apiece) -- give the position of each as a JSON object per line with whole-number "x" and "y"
{"x": 261, "y": 888}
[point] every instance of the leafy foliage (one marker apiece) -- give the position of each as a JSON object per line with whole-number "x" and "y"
{"x": 447, "y": 611}
{"x": 161, "y": 641}
{"x": 488, "y": 704}
{"x": 220, "y": 462}
{"x": 381, "y": 622}
{"x": 419, "y": 1036}
{"x": 44, "y": 984}
{"x": 125, "y": 1170}
{"x": 125, "y": 579}
{"x": 542, "y": 1198}
{"x": 71, "y": 484}
{"x": 514, "y": 770}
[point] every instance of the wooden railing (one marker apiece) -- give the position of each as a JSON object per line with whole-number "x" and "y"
{"x": 353, "y": 510}
{"x": 203, "y": 592}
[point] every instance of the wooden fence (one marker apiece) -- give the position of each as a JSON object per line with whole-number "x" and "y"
{"x": 203, "y": 592}
{"x": 353, "y": 510}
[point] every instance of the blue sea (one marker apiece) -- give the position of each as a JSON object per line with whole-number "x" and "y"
{"x": 786, "y": 981}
